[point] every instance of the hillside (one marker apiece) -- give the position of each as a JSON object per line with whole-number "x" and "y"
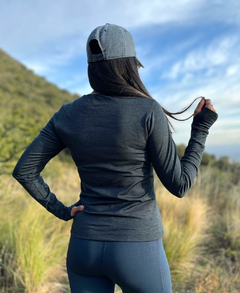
{"x": 27, "y": 102}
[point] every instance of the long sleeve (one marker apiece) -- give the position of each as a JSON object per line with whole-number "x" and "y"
{"x": 177, "y": 176}
{"x": 27, "y": 171}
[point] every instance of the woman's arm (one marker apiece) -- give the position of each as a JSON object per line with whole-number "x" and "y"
{"x": 177, "y": 176}
{"x": 27, "y": 171}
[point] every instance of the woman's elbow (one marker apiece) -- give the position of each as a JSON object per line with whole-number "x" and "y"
{"x": 18, "y": 173}
{"x": 183, "y": 186}
{"x": 15, "y": 173}
{"x": 181, "y": 191}
{"x": 180, "y": 194}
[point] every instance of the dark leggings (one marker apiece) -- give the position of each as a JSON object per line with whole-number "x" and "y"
{"x": 136, "y": 267}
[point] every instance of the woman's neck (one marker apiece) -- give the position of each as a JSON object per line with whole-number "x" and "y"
{"x": 94, "y": 92}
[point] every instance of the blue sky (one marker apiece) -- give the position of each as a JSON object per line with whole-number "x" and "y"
{"x": 189, "y": 48}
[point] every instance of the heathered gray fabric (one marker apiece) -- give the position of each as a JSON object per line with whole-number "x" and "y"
{"x": 115, "y": 42}
{"x": 115, "y": 142}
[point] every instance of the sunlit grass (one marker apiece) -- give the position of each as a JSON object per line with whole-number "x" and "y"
{"x": 201, "y": 234}
{"x": 41, "y": 242}
{"x": 35, "y": 240}
{"x": 184, "y": 222}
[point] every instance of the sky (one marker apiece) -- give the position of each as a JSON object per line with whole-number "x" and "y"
{"x": 189, "y": 48}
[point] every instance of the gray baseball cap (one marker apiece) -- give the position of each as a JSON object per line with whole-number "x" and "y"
{"x": 114, "y": 42}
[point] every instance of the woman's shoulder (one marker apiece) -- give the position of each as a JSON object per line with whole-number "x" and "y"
{"x": 68, "y": 107}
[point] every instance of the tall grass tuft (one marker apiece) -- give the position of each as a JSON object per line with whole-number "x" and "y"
{"x": 224, "y": 203}
{"x": 184, "y": 222}
{"x": 41, "y": 243}
{"x": 33, "y": 243}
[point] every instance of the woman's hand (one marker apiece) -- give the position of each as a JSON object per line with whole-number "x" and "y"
{"x": 204, "y": 103}
{"x": 76, "y": 209}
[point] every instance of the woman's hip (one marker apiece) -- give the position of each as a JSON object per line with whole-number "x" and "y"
{"x": 134, "y": 265}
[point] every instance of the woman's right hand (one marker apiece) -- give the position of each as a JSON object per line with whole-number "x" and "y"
{"x": 76, "y": 209}
{"x": 204, "y": 103}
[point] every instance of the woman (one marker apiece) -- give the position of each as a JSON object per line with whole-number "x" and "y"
{"x": 116, "y": 135}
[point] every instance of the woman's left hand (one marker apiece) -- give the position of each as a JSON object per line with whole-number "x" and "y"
{"x": 76, "y": 209}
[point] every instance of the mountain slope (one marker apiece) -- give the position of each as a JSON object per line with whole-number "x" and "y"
{"x": 27, "y": 102}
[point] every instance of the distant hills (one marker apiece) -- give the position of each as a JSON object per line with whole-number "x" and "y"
{"x": 27, "y": 102}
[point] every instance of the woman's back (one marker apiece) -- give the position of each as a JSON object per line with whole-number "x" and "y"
{"x": 107, "y": 137}
{"x": 114, "y": 142}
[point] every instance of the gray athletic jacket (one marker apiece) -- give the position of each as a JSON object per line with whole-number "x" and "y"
{"x": 115, "y": 143}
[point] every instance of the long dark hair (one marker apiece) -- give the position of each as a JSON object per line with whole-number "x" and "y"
{"x": 120, "y": 77}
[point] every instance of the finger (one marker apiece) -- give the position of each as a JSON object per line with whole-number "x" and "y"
{"x": 76, "y": 209}
{"x": 208, "y": 102}
{"x": 200, "y": 106}
{"x": 209, "y": 105}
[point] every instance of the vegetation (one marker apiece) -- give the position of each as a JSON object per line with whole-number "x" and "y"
{"x": 202, "y": 230}
{"x": 27, "y": 102}
{"x": 201, "y": 238}
{"x": 33, "y": 243}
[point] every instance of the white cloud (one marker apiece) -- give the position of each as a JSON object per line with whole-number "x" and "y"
{"x": 233, "y": 69}
{"x": 159, "y": 12}
{"x": 219, "y": 52}
{"x": 29, "y": 24}
{"x": 38, "y": 68}
{"x": 153, "y": 60}
{"x": 79, "y": 84}
{"x": 59, "y": 55}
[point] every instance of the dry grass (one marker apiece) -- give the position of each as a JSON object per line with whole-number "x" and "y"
{"x": 34, "y": 242}
{"x": 184, "y": 222}
{"x": 201, "y": 234}
{"x": 218, "y": 279}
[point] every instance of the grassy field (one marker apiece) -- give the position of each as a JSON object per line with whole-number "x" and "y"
{"x": 201, "y": 234}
